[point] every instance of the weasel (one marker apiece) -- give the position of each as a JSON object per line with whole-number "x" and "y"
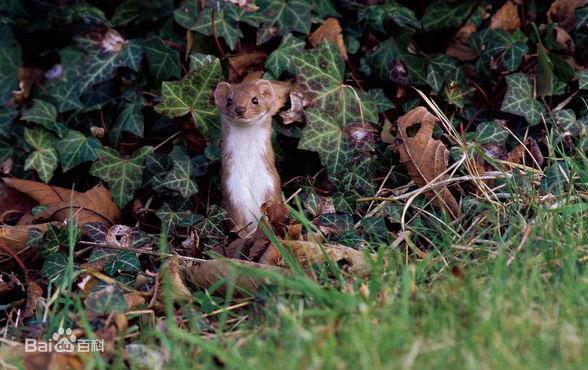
{"x": 249, "y": 176}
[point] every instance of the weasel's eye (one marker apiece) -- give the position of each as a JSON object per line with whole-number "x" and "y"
{"x": 229, "y": 102}
{"x": 254, "y": 100}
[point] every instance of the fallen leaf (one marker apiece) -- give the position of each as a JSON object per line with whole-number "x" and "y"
{"x": 425, "y": 159}
{"x": 527, "y": 153}
{"x": 459, "y": 47}
{"x": 42, "y": 360}
{"x": 299, "y": 99}
{"x": 15, "y": 237}
{"x": 179, "y": 293}
{"x": 331, "y": 31}
{"x": 94, "y": 205}
{"x": 506, "y": 18}
{"x": 34, "y": 296}
{"x": 13, "y": 204}
{"x": 563, "y": 12}
{"x": 243, "y": 63}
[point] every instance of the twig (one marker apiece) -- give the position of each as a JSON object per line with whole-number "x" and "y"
{"x": 141, "y": 251}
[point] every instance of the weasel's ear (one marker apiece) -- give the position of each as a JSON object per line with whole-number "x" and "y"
{"x": 266, "y": 89}
{"x": 221, "y": 93}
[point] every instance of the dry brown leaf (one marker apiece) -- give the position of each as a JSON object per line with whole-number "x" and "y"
{"x": 243, "y": 63}
{"x": 308, "y": 253}
{"x": 13, "y": 204}
{"x": 204, "y": 275}
{"x": 527, "y": 154}
{"x": 299, "y": 98}
{"x": 459, "y": 47}
{"x": 424, "y": 158}
{"x": 15, "y": 237}
{"x": 170, "y": 270}
{"x": 564, "y": 12}
{"x": 34, "y": 295}
{"x": 94, "y": 205}
{"x": 41, "y": 360}
{"x": 506, "y": 18}
{"x": 331, "y": 31}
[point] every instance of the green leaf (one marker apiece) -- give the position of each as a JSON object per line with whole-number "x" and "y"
{"x": 171, "y": 219}
{"x": 323, "y": 135}
{"x": 321, "y": 71}
{"x": 442, "y": 69}
{"x": 283, "y": 17}
{"x": 106, "y": 300}
{"x": 44, "y": 158}
{"x": 377, "y": 15}
{"x": 392, "y": 62}
{"x": 7, "y": 116}
{"x": 124, "y": 261}
{"x": 164, "y": 62}
{"x": 64, "y": 87}
{"x": 519, "y": 99}
{"x": 491, "y": 132}
{"x": 566, "y": 120}
{"x": 325, "y": 8}
{"x": 130, "y": 119}
{"x": 212, "y": 226}
{"x": 544, "y": 72}
{"x": 224, "y": 26}
{"x": 44, "y": 114}
{"x": 441, "y": 14}
{"x": 180, "y": 177}
{"x": 123, "y": 175}
{"x": 75, "y": 148}
{"x": 280, "y": 60}
{"x": 193, "y": 94}
{"x": 583, "y": 79}
{"x": 9, "y": 64}
{"x": 99, "y": 67}
{"x": 187, "y": 14}
{"x": 54, "y": 268}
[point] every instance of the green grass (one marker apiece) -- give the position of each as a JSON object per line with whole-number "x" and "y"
{"x": 510, "y": 292}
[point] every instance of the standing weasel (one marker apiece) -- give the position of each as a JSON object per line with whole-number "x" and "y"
{"x": 249, "y": 175}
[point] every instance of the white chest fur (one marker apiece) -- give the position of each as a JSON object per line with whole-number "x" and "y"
{"x": 248, "y": 180}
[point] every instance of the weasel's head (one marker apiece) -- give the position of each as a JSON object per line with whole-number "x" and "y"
{"x": 245, "y": 102}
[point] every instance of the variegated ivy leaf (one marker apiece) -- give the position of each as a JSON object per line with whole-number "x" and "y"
{"x": 441, "y": 70}
{"x": 193, "y": 94}
{"x": 75, "y": 148}
{"x": 187, "y": 14}
{"x": 64, "y": 85}
{"x": 377, "y": 15}
{"x": 321, "y": 71}
{"x": 212, "y": 226}
{"x": 54, "y": 268}
{"x": 44, "y": 114}
{"x": 380, "y": 100}
{"x": 583, "y": 78}
{"x": 325, "y": 8}
{"x": 198, "y": 60}
{"x": 358, "y": 177}
{"x": 9, "y": 64}
{"x": 180, "y": 176}
{"x": 124, "y": 261}
{"x": 282, "y": 17}
{"x": 391, "y": 61}
{"x": 224, "y": 26}
{"x": 325, "y": 136}
{"x": 44, "y": 158}
{"x": 164, "y": 62}
{"x": 491, "y": 132}
{"x": 130, "y": 119}
{"x": 500, "y": 47}
{"x": 440, "y": 14}
{"x": 566, "y": 120}
{"x": 519, "y": 99}
{"x": 171, "y": 219}
{"x": 280, "y": 60}
{"x": 99, "y": 66}
{"x": 123, "y": 175}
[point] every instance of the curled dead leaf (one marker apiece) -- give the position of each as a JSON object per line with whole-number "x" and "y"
{"x": 459, "y": 47}
{"x": 424, "y": 158}
{"x": 564, "y": 12}
{"x": 179, "y": 292}
{"x": 299, "y": 98}
{"x": 331, "y": 31}
{"x": 527, "y": 154}
{"x": 506, "y": 18}
{"x": 15, "y": 237}
{"x": 243, "y": 63}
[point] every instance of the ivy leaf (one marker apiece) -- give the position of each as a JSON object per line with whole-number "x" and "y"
{"x": 283, "y": 17}
{"x": 123, "y": 175}
{"x": 180, "y": 177}
{"x": 7, "y": 116}
{"x": 323, "y": 134}
{"x": 212, "y": 226}
{"x": 130, "y": 119}
{"x": 75, "y": 148}
{"x": 497, "y": 44}
{"x": 164, "y": 62}
{"x": 321, "y": 71}
{"x": 280, "y": 60}
{"x": 124, "y": 261}
{"x": 325, "y": 8}
{"x": 519, "y": 99}
{"x": 99, "y": 67}
{"x": 44, "y": 158}
{"x": 377, "y": 15}
{"x": 441, "y": 14}
{"x": 54, "y": 268}
{"x": 193, "y": 94}
{"x": 441, "y": 70}
{"x": 64, "y": 87}
{"x": 491, "y": 133}
{"x": 171, "y": 219}
{"x": 583, "y": 79}
{"x": 105, "y": 300}
{"x": 187, "y": 14}
{"x": 9, "y": 64}
{"x": 544, "y": 72}
{"x": 44, "y": 114}
{"x": 566, "y": 120}
{"x": 224, "y": 26}
{"x": 392, "y": 62}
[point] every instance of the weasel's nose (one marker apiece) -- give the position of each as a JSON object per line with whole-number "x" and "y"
{"x": 240, "y": 109}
